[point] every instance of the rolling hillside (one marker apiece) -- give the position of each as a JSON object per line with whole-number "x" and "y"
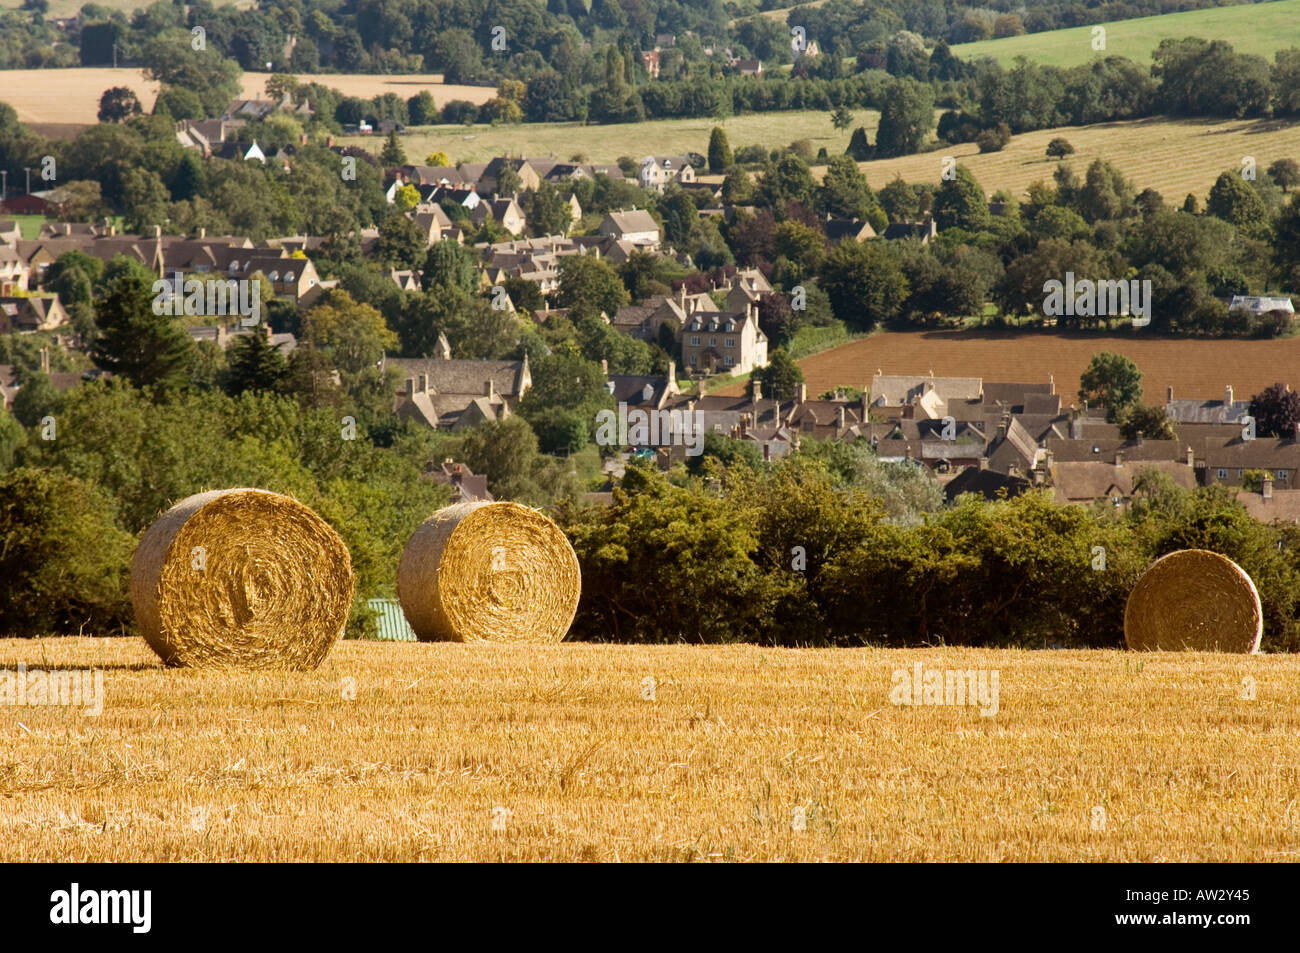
{"x": 1261, "y": 28}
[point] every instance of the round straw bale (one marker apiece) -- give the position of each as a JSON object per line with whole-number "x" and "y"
{"x": 1194, "y": 599}
{"x": 241, "y": 578}
{"x": 489, "y": 572}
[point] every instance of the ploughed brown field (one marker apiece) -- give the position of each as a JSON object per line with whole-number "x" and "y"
{"x": 1194, "y": 368}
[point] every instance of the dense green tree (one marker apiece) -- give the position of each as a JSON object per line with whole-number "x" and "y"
{"x": 402, "y": 244}
{"x": 961, "y": 203}
{"x": 720, "y": 158}
{"x": 589, "y": 286}
{"x": 255, "y": 365}
{"x": 1233, "y": 200}
{"x": 781, "y": 377}
{"x": 865, "y": 283}
{"x": 118, "y": 104}
{"x": 149, "y": 349}
{"x": 844, "y": 193}
{"x": 450, "y": 264}
{"x": 1151, "y": 422}
{"x": 1112, "y": 381}
{"x": 64, "y": 560}
{"x": 859, "y": 149}
{"x": 906, "y": 118}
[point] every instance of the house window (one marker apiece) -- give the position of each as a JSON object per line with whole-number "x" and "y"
{"x": 712, "y": 342}
{"x": 1281, "y": 474}
{"x": 693, "y": 357}
{"x": 729, "y": 342}
{"x": 695, "y": 341}
{"x": 1222, "y": 474}
{"x": 731, "y": 361}
{"x": 1238, "y": 474}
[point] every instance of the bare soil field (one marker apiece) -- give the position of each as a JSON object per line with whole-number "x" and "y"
{"x": 571, "y": 752}
{"x": 1194, "y": 368}
{"x": 1174, "y": 157}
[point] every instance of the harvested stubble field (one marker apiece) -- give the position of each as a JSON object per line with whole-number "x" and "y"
{"x": 55, "y": 100}
{"x": 1193, "y": 367}
{"x": 560, "y": 747}
{"x": 1172, "y": 156}
{"x": 606, "y": 143}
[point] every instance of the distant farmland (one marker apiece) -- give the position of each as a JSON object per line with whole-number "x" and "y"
{"x": 1259, "y": 28}
{"x": 63, "y": 97}
{"x": 1172, "y": 156}
{"x": 1194, "y": 368}
{"x": 606, "y": 143}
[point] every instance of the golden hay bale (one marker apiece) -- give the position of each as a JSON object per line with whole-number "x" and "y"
{"x": 489, "y": 572}
{"x": 241, "y": 578}
{"x": 1194, "y": 599}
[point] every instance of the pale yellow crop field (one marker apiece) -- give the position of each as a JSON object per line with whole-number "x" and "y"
{"x": 662, "y": 753}
{"x": 1172, "y": 156}
{"x": 72, "y": 95}
{"x": 605, "y": 143}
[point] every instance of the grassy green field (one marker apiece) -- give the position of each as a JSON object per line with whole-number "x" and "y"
{"x": 29, "y": 224}
{"x": 606, "y": 143}
{"x": 1260, "y": 28}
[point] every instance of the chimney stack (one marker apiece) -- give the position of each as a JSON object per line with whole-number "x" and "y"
{"x": 604, "y": 366}
{"x": 203, "y": 232}
{"x": 755, "y": 389}
{"x": 841, "y": 418}
{"x": 803, "y": 392}
{"x": 1191, "y": 457}
{"x": 1266, "y": 490}
{"x": 1137, "y": 438}
{"x": 1119, "y": 458}
{"x": 1051, "y": 383}
{"x": 1227, "y": 394}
